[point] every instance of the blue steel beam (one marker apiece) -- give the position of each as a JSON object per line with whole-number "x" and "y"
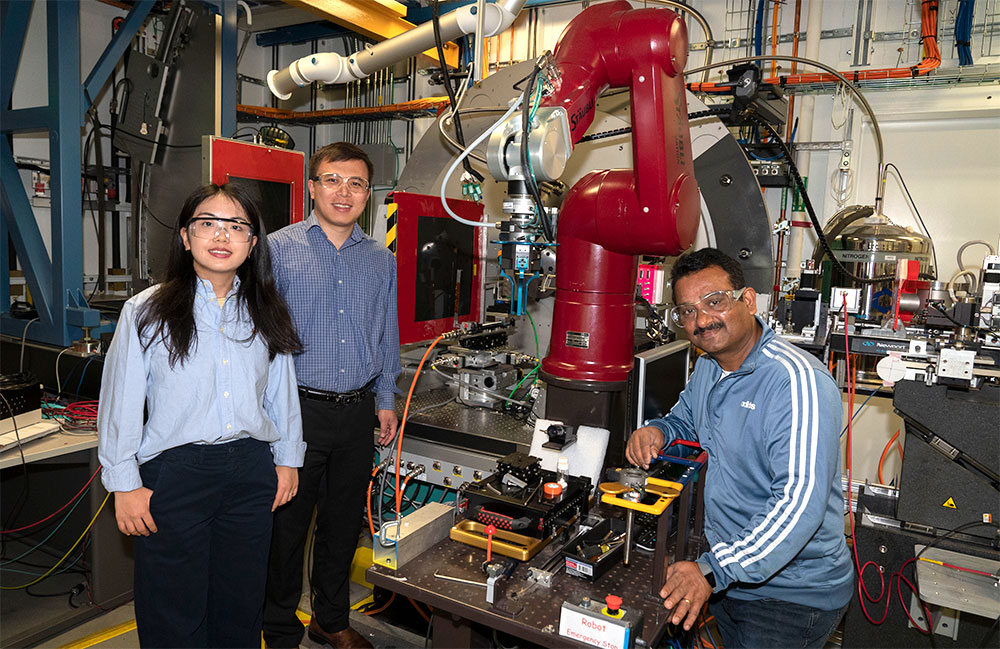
{"x": 229, "y": 48}
{"x": 4, "y": 248}
{"x": 229, "y": 45}
{"x": 295, "y": 34}
{"x": 105, "y": 65}
{"x": 419, "y": 14}
{"x": 20, "y": 223}
{"x": 63, "y": 24}
{"x": 26, "y": 119}
{"x": 57, "y": 285}
{"x": 12, "y": 33}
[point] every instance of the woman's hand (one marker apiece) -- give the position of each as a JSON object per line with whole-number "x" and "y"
{"x": 132, "y": 512}
{"x": 288, "y": 485}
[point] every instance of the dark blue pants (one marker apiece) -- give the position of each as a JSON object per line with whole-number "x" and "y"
{"x": 332, "y": 480}
{"x": 760, "y": 623}
{"x": 199, "y": 580}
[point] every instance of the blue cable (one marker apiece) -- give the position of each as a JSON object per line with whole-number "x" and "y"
{"x": 963, "y": 31}
{"x": 61, "y": 571}
{"x": 855, "y": 415}
{"x": 68, "y": 375}
{"x": 762, "y": 158}
{"x": 758, "y": 29}
{"x": 54, "y": 530}
{"x": 710, "y": 637}
{"x": 83, "y": 374}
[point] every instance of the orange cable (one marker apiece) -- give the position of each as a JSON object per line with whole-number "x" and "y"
{"x": 383, "y": 607}
{"x": 790, "y": 125}
{"x": 406, "y": 482}
{"x": 774, "y": 36}
{"x": 930, "y": 61}
{"x": 510, "y": 50}
{"x": 419, "y": 610}
{"x": 885, "y": 453}
{"x": 402, "y": 425}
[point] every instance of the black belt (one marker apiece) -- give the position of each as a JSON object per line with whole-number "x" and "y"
{"x": 339, "y": 398}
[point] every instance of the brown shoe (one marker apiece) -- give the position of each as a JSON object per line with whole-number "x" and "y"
{"x": 346, "y": 639}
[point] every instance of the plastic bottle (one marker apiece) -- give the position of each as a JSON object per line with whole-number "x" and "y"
{"x": 562, "y": 470}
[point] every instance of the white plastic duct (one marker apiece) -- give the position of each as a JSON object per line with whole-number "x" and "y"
{"x": 330, "y": 67}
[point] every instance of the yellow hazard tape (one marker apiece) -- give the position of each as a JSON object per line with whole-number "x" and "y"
{"x": 365, "y": 602}
{"x": 101, "y": 636}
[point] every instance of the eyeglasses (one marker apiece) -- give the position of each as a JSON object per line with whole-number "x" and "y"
{"x": 716, "y": 303}
{"x": 235, "y": 230}
{"x": 333, "y": 182}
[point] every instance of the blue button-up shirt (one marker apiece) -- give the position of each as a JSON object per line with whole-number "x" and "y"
{"x": 226, "y": 390}
{"x": 343, "y": 303}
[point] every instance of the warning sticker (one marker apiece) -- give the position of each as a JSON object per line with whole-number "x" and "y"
{"x": 950, "y": 503}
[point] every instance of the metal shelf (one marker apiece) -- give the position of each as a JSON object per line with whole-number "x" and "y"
{"x": 407, "y": 111}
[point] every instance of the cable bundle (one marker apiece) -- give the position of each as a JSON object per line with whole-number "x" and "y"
{"x": 77, "y": 418}
{"x": 930, "y": 61}
{"x": 963, "y": 31}
{"x": 72, "y": 504}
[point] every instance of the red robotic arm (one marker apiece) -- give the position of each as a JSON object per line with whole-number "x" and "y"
{"x": 611, "y": 216}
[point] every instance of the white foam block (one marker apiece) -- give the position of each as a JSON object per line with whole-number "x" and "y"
{"x": 586, "y": 455}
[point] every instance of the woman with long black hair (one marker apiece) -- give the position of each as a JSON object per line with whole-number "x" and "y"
{"x": 207, "y": 355}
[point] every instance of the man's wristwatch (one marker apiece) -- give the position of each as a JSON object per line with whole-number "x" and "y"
{"x": 706, "y": 572}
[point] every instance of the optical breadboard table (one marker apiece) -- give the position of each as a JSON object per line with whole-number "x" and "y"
{"x": 534, "y": 615}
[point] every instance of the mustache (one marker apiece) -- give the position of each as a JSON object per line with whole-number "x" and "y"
{"x": 712, "y": 327}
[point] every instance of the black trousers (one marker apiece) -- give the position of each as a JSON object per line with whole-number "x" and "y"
{"x": 338, "y": 462}
{"x": 199, "y": 580}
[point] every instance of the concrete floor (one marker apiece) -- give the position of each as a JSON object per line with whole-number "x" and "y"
{"x": 116, "y": 630}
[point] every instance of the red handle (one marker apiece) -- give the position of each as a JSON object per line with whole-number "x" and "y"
{"x": 490, "y": 531}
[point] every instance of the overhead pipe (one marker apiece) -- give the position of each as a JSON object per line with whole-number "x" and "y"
{"x": 330, "y": 67}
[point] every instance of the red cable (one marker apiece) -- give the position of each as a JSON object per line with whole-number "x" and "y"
{"x": 683, "y": 442}
{"x": 37, "y": 523}
{"x": 906, "y": 609}
{"x": 954, "y": 567}
{"x": 898, "y": 575}
{"x": 82, "y": 409}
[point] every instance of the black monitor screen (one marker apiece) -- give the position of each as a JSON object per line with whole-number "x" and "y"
{"x": 660, "y": 375}
{"x": 445, "y": 254}
{"x": 274, "y": 199}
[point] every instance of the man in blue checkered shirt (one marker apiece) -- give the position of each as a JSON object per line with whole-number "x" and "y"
{"x": 340, "y": 285}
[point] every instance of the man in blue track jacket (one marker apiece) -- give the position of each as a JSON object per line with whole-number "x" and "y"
{"x": 769, "y": 416}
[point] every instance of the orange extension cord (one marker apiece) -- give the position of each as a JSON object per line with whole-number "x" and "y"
{"x": 885, "y": 454}
{"x": 402, "y": 425}
{"x": 399, "y": 443}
